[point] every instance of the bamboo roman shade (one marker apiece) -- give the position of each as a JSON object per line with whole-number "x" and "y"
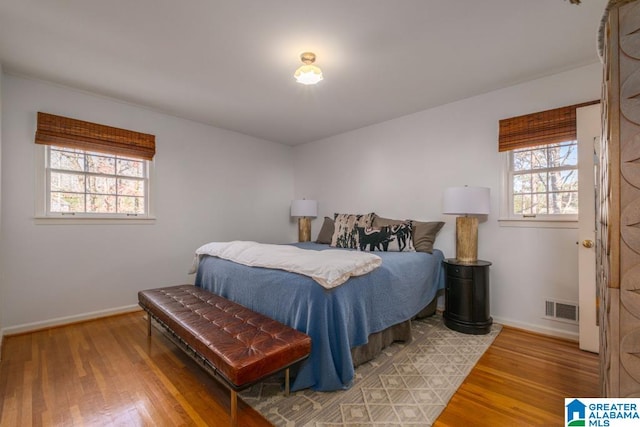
{"x": 545, "y": 127}
{"x": 78, "y": 134}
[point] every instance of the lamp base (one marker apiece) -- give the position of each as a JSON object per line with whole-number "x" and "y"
{"x": 304, "y": 229}
{"x": 467, "y": 239}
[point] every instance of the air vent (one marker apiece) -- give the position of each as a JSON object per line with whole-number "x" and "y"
{"x": 550, "y": 309}
{"x": 561, "y": 310}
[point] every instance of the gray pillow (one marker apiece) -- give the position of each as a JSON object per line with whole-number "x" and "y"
{"x": 326, "y": 232}
{"x": 378, "y": 221}
{"x": 424, "y": 233}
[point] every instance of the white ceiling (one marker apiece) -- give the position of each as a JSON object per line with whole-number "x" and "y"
{"x": 230, "y": 63}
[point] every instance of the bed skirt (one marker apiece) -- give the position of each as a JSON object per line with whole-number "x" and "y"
{"x": 379, "y": 340}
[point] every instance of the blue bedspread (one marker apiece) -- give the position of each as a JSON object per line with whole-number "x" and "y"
{"x": 336, "y": 319}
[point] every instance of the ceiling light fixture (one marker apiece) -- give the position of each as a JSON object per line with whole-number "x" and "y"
{"x": 308, "y": 74}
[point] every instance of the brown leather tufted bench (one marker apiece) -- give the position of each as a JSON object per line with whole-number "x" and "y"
{"x": 237, "y": 345}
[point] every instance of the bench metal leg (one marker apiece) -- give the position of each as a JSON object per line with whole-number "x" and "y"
{"x": 234, "y": 408}
{"x": 286, "y": 382}
{"x": 148, "y": 325}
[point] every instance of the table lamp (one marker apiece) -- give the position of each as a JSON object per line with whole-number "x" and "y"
{"x": 304, "y": 210}
{"x": 466, "y": 201}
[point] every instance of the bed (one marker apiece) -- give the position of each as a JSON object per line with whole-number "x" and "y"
{"x": 340, "y": 320}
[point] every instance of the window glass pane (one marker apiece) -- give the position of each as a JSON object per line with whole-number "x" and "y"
{"x": 101, "y": 185}
{"x": 98, "y": 203}
{"x": 101, "y": 164}
{"x": 563, "y": 155}
{"x": 130, "y": 168}
{"x": 566, "y": 180}
{"x": 522, "y": 204}
{"x": 539, "y": 182}
{"x": 521, "y": 160}
{"x": 67, "y": 160}
{"x": 539, "y": 158}
{"x": 539, "y": 204}
{"x": 69, "y": 182}
{"x": 131, "y": 205}
{"x": 131, "y": 187}
{"x": 564, "y": 203}
{"x": 97, "y": 153}
{"x": 517, "y": 204}
{"x": 522, "y": 183}
{"x": 66, "y": 202}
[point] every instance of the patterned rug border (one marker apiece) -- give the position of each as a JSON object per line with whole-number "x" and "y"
{"x": 406, "y": 385}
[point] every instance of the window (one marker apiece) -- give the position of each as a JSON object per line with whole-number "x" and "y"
{"x": 92, "y": 171}
{"x": 544, "y": 180}
{"x": 540, "y": 167}
{"x": 85, "y": 182}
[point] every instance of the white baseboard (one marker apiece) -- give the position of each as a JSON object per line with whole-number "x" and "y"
{"x": 573, "y": 336}
{"x": 60, "y": 321}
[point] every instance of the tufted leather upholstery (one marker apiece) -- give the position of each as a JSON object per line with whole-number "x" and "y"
{"x": 242, "y": 345}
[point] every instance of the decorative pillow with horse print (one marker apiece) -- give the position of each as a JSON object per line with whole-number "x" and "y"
{"x": 345, "y": 234}
{"x": 389, "y": 238}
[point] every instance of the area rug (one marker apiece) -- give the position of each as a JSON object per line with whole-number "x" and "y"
{"x": 406, "y": 385}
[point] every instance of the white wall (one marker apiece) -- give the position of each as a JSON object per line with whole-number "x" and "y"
{"x": 218, "y": 185}
{"x": 400, "y": 168}
{"x": 210, "y": 185}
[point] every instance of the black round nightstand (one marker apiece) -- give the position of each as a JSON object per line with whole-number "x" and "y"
{"x": 467, "y": 297}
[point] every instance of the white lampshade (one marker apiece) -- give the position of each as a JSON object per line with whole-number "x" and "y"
{"x": 304, "y": 207}
{"x": 466, "y": 201}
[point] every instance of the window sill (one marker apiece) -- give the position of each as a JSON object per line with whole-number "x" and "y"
{"x": 80, "y": 220}
{"x": 538, "y": 223}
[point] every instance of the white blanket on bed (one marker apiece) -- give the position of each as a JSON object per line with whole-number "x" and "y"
{"x": 330, "y": 268}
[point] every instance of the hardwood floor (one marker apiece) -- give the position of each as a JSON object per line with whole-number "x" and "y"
{"x": 522, "y": 380}
{"x": 106, "y": 372}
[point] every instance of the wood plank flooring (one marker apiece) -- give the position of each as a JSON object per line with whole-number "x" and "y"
{"x": 106, "y": 372}
{"x": 522, "y": 380}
